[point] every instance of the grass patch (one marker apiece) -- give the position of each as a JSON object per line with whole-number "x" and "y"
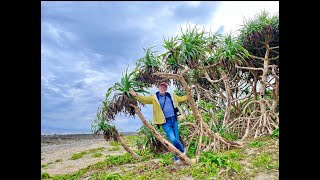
{"x": 97, "y": 155}
{"x": 113, "y": 143}
{"x": 109, "y": 162}
{"x": 81, "y": 154}
{"x": 45, "y": 176}
{"x": 96, "y": 150}
{"x": 166, "y": 159}
{"x": 58, "y": 160}
{"x": 130, "y": 139}
{"x": 46, "y": 165}
{"x": 262, "y": 160}
{"x": 104, "y": 175}
{"x": 256, "y": 144}
{"x": 275, "y": 133}
{"x": 117, "y": 148}
{"x": 78, "y": 155}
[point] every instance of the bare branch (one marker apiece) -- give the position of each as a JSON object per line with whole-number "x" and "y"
{"x": 209, "y": 66}
{"x": 277, "y": 57}
{"x": 249, "y": 68}
{"x": 210, "y": 80}
{"x": 276, "y": 47}
{"x": 256, "y": 57}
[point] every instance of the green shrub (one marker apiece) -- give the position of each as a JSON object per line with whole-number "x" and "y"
{"x": 45, "y": 176}
{"x": 97, "y": 155}
{"x": 78, "y": 155}
{"x": 256, "y": 144}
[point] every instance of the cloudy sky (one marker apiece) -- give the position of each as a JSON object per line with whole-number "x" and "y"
{"x": 85, "y": 47}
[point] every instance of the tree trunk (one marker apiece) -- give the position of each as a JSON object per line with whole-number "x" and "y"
{"x": 276, "y": 95}
{"x": 165, "y": 142}
{"x": 228, "y": 91}
{"x": 263, "y": 104}
{"x": 255, "y": 81}
{"x": 124, "y": 145}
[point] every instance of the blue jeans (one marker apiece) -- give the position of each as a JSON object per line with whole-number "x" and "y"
{"x": 171, "y": 129}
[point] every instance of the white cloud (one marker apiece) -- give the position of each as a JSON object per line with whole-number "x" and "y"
{"x": 231, "y": 14}
{"x": 193, "y": 3}
{"x": 58, "y": 34}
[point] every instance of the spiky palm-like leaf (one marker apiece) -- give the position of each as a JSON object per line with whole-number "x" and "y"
{"x": 149, "y": 141}
{"x": 230, "y": 49}
{"x": 261, "y": 29}
{"x": 102, "y": 125}
{"x": 122, "y": 98}
{"x": 192, "y": 47}
{"x": 146, "y": 66}
{"x": 171, "y": 56}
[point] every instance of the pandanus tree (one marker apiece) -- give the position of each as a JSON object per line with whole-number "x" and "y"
{"x": 220, "y": 75}
{"x": 146, "y": 66}
{"x": 109, "y": 131}
{"x": 120, "y": 103}
{"x": 122, "y": 98}
{"x": 260, "y": 36}
{"x": 229, "y": 53}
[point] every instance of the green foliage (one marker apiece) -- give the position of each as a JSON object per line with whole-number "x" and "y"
{"x": 257, "y": 23}
{"x": 45, "y": 175}
{"x": 203, "y": 170}
{"x": 275, "y": 133}
{"x": 234, "y": 155}
{"x": 127, "y": 83}
{"x": 97, "y": 155}
{"x": 220, "y": 160}
{"x": 166, "y": 159}
{"x": 256, "y": 144}
{"x": 117, "y": 148}
{"x": 148, "y": 140}
{"x": 46, "y": 165}
{"x": 114, "y": 143}
{"x": 262, "y": 160}
{"x": 117, "y": 160}
{"x": 94, "y": 150}
{"x": 220, "y": 115}
{"x": 150, "y": 59}
{"x": 192, "y": 149}
{"x": 225, "y": 132}
{"x": 192, "y": 46}
{"x": 180, "y": 92}
{"x": 231, "y": 49}
{"x": 130, "y": 139}
{"x": 274, "y": 165}
{"x": 258, "y": 30}
{"x": 74, "y": 176}
{"x": 105, "y": 176}
{"x": 102, "y": 125}
{"x": 78, "y": 155}
{"x": 110, "y": 161}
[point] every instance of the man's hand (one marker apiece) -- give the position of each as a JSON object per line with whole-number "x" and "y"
{"x": 132, "y": 92}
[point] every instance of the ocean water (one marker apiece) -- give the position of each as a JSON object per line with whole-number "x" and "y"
{"x": 53, "y": 131}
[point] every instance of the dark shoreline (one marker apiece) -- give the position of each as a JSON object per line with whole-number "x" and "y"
{"x": 66, "y": 137}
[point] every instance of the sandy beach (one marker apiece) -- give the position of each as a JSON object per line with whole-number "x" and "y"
{"x": 57, "y": 150}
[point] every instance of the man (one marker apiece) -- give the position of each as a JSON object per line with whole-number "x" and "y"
{"x": 164, "y": 114}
